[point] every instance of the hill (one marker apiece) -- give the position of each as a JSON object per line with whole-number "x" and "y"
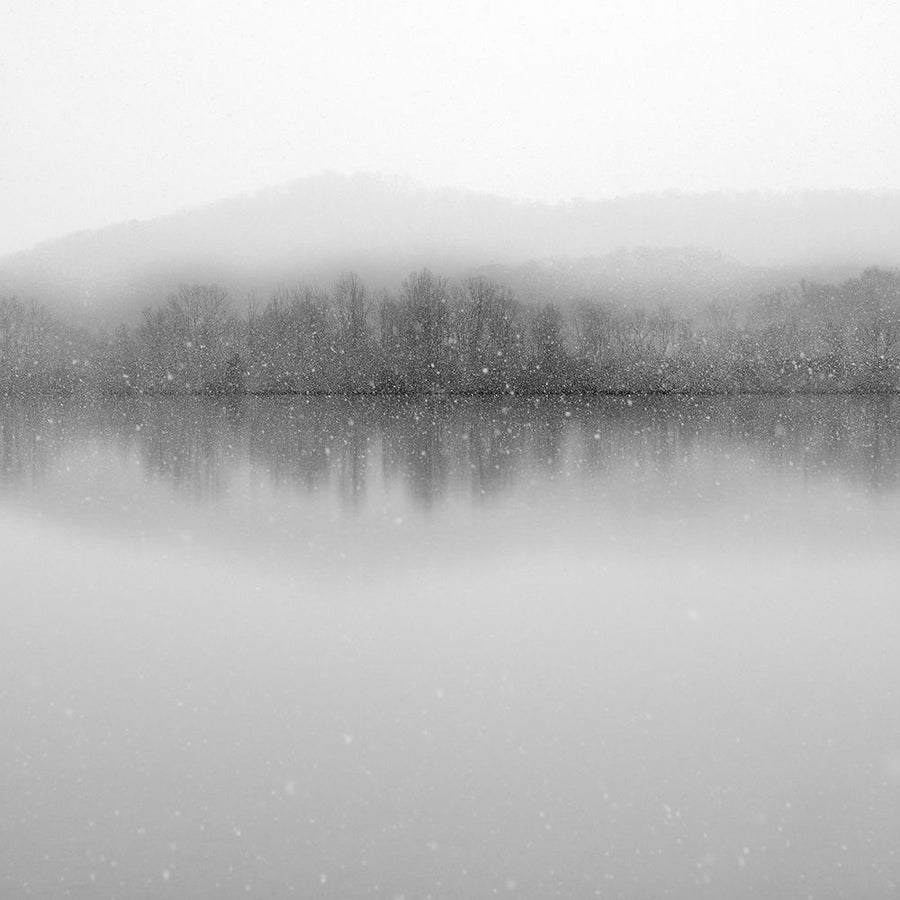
{"x": 383, "y": 228}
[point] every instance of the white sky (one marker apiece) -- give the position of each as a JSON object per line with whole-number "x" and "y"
{"x": 118, "y": 110}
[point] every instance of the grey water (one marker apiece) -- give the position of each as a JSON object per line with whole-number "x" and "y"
{"x": 445, "y": 648}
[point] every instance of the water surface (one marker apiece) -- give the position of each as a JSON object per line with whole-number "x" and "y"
{"x": 324, "y": 648}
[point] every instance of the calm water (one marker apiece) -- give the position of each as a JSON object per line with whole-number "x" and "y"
{"x": 335, "y": 649}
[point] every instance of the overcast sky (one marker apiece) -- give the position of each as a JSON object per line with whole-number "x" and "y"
{"x": 119, "y": 110}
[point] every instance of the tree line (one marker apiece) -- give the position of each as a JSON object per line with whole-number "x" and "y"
{"x": 466, "y": 337}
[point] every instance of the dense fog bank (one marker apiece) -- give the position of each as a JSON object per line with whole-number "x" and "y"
{"x": 672, "y": 247}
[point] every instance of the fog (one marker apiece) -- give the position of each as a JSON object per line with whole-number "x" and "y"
{"x": 449, "y": 450}
{"x": 133, "y": 113}
{"x": 673, "y": 248}
{"x": 193, "y": 141}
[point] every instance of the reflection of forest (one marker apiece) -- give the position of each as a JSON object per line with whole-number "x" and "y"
{"x": 465, "y": 447}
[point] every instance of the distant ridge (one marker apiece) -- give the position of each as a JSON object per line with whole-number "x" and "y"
{"x": 678, "y": 246}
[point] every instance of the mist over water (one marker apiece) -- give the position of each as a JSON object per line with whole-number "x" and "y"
{"x": 332, "y": 648}
{"x": 335, "y": 562}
